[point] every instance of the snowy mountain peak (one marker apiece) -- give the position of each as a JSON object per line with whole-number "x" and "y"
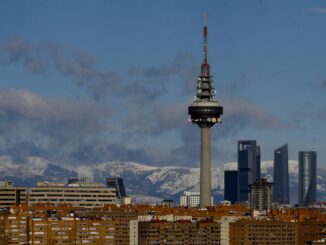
{"x": 140, "y": 179}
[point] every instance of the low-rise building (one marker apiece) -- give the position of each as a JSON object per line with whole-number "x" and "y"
{"x": 10, "y": 194}
{"x": 78, "y": 194}
{"x": 191, "y": 199}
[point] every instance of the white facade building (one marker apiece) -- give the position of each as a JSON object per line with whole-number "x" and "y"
{"x": 191, "y": 199}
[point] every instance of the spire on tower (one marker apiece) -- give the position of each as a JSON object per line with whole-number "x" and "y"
{"x": 205, "y": 40}
{"x": 205, "y": 65}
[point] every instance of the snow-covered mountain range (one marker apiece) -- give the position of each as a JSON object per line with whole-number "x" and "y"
{"x": 143, "y": 182}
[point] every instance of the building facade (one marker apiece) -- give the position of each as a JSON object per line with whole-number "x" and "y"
{"x": 231, "y": 185}
{"x": 10, "y": 194}
{"x": 261, "y": 195}
{"x": 281, "y": 176}
{"x": 190, "y": 199}
{"x": 179, "y": 232}
{"x": 269, "y": 231}
{"x": 248, "y": 167}
{"x": 307, "y": 177}
{"x": 260, "y": 232}
{"x": 78, "y": 194}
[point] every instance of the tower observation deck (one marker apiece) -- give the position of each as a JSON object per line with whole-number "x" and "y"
{"x": 205, "y": 112}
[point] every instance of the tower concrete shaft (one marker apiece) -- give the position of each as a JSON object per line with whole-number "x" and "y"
{"x": 205, "y": 112}
{"x": 205, "y": 168}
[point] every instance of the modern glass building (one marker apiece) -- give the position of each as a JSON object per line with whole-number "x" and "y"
{"x": 281, "y": 175}
{"x": 231, "y": 185}
{"x": 307, "y": 177}
{"x": 119, "y": 185}
{"x": 258, "y": 160}
{"x": 248, "y": 167}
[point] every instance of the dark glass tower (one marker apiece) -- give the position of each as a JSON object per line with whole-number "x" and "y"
{"x": 119, "y": 185}
{"x": 307, "y": 177}
{"x": 258, "y": 161}
{"x": 248, "y": 167}
{"x": 231, "y": 185}
{"x": 281, "y": 176}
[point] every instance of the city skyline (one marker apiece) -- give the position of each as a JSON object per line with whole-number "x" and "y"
{"x": 84, "y": 83}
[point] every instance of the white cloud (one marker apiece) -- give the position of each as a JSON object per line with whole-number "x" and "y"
{"x": 317, "y": 10}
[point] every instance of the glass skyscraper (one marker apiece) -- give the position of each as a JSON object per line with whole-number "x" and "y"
{"x": 281, "y": 175}
{"x": 307, "y": 177}
{"x": 119, "y": 185}
{"x": 231, "y": 185}
{"x": 248, "y": 167}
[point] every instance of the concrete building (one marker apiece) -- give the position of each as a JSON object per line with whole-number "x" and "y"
{"x": 225, "y": 228}
{"x": 261, "y": 195}
{"x": 10, "y": 194}
{"x": 307, "y": 177}
{"x": 260, "y": 232}
{"x": 158, "y": 224}
{"x": 248, "y": 167}
{"x": 205, "y": 112}
{"x": 13, "y": 228}
{"x": 231, "y": 185}
{"x": 270, "y": 231}
{"x": 179, "y": 232}
{"x": 190, "y": 199}
{"x": 281, "y": 176}
{"x": 78, "y": 194}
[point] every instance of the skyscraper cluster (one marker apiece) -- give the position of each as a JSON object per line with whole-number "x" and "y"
{"x": 245, "y": 183}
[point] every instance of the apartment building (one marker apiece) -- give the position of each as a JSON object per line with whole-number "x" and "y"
{"x": 270, "y": 231}
{"x": 10, "y": 194}
{"x": 178, "y": 232}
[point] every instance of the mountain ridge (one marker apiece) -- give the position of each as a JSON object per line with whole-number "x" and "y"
{"x": 142, "y": 181}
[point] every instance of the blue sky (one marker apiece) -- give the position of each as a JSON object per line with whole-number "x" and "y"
{"x": 89, "y": 81}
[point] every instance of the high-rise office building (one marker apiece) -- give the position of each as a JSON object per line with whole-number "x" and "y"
{"x": 118, "y": 184}
{"x": 261, "y": 195}
{"x": 258, "y": 161}
{"x": 121, "y": 194}
{"x": 231, "y": 185}
{"x": 307, "y": 177}
{"x": 248, "y": 167}
{"x": 281, "y": 175}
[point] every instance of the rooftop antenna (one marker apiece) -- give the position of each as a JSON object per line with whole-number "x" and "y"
{"x": 205, "y": 40}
